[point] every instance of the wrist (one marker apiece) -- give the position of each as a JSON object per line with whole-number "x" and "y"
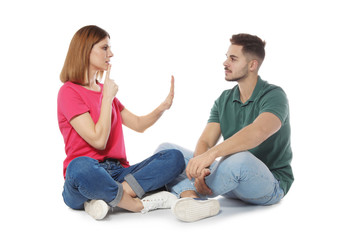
{"x": 213, "y": 153}
{"x": 160, "y": 109}
{"x": 107, "y": 99}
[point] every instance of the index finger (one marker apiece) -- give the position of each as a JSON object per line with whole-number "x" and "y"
{"x": 172, "y": 80}
{"x": 108, "y": 71}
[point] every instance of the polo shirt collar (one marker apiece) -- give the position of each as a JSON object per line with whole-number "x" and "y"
{"x": 258, "y": 87}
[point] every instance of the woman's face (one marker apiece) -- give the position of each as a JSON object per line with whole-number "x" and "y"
{"x": 100, "y": 55}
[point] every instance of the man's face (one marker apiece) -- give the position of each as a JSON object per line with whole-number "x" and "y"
{"x": 236, "y": 66}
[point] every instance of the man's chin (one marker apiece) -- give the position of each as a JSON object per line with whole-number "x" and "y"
{"x": 231, "y": 79}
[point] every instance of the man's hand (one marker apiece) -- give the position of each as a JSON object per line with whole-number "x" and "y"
{"x": 200, "y": 184}
{"x": 197, "y": 165}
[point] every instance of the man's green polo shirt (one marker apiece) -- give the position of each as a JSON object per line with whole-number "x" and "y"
{"x": 233, "y": 115}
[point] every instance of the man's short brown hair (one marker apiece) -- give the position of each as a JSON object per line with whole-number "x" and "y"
{"x": 252, "y": 45}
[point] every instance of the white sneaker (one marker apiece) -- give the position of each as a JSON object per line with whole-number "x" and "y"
{"x": 191, "y": 210}
{"x": 96, "y": 208}
{"x": 158, "y": 200}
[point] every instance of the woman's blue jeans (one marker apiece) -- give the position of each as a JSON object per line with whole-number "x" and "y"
{"x": 239, "y": 176}
{"x": 88, "y": 179}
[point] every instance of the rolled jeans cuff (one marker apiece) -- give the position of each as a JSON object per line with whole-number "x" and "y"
{"x": 118, "y": 198}
{"x": 133, "y": 183}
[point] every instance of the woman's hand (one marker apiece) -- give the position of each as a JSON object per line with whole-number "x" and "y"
{"x": 141, "y": 123}
{"x": 169, "y": 100}
{"x": 110, "y": 87}
{"x": 97, "y": 134}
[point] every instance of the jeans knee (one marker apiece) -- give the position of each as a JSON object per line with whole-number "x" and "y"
{"x": 180, "y": 160}
{"x": 176, "y": 160}
{"x": 243, "y": 155}
{"x": 80, "y": 166}
{"x": 240, "y": 159}
{"x": 164, "y": 146}
{"x": 71, "y": 203}
{"x": 237, "y": 165}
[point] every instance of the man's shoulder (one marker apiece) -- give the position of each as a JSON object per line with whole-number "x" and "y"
{"x": 228, "y": 93}
{"x": 273, "y": 99}
{"x": 269, "y": 89}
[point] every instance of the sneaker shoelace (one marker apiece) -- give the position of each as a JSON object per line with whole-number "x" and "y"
{"x": 151, "y": 204}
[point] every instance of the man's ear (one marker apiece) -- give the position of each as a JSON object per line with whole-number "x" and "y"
{"x": 253, "y": 65}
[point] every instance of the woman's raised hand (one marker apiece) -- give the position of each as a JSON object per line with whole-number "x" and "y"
{"x": 110, "y": 87}
{"x": 169, "y": 100}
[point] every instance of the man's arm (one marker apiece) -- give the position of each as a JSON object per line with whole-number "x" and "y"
{"x": 208, "y": 138}
{"x": 264, "y": 126}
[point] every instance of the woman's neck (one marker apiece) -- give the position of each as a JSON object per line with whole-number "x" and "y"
{"x": 91, "y": 83}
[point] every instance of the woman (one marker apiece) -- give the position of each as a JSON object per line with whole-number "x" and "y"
{"x": 96, "y": 171}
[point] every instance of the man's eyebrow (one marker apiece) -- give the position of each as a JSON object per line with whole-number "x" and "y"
{"x": 231, "y": 56}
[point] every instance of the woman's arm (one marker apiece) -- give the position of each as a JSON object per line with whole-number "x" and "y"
{"x": 97, "y": 134}
{"x": 141, "y": 123}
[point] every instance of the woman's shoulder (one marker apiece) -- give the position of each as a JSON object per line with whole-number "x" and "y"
{"x": 68, "y": 88}
{"x": 69, "y": 84}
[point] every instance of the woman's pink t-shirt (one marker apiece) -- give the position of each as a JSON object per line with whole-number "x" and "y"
{"x": 74, "y": 100}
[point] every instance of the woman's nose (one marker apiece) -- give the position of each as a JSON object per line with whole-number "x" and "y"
{"x": 109, "y": 53}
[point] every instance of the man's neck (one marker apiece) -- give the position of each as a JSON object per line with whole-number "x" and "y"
{"x": 247, "y": 86}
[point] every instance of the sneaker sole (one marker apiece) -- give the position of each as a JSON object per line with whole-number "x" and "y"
{"x": 190, "y": 210}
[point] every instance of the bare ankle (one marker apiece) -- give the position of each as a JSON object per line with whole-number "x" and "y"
{"x": 131, "y": 204}
{"x": 127, "y": 189}
{"x": 138, "y": 205}
{"x": 189, "y": 193}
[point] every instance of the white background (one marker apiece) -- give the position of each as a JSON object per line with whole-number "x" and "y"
{"x": 307, "y": 53}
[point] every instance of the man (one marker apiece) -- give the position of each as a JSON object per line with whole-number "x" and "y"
{"x": 253, "y": 119}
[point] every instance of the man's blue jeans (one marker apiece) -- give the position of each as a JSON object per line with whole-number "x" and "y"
{"x": 88, "y": 179}
{"x": 239, "y": 176}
